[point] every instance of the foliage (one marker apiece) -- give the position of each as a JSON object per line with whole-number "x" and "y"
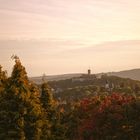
{"x": 3, "y": 79}
{"x": 80, "y": 111}
{"x": 21, "y": 115}
{"x": 112, "y": 117}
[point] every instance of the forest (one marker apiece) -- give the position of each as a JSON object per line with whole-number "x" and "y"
{"x": 100, "y": 109}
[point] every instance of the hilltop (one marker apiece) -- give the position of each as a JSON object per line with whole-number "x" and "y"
{"x": 132, "y": 74}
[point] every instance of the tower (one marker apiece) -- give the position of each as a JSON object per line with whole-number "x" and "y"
{"x": 89, "y": 72}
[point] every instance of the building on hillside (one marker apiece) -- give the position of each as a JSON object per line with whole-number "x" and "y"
{"x": 84, "y": 77}
{"x": 109, "y": 86}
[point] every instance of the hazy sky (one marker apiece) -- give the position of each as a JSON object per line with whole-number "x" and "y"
{"x": 68, "y": 36}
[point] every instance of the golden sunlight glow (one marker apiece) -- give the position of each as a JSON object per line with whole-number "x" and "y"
{"x": 61, "y": 33}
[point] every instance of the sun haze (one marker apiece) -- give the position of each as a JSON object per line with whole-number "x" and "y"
{"x": 68, "y": 36}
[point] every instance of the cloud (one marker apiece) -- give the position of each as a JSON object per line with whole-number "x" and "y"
{"x": 70, "y": 33}
{"x": 103, "y": 20}
{"x": 107, "y": 56}
{"x": 37, "y": 47}
{"x": 110, "y": 46}
{"x": 63, "y": 56}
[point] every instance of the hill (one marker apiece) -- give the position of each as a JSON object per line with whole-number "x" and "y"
{"x": 132, "y": 74}
{"x": 38, "y": 79}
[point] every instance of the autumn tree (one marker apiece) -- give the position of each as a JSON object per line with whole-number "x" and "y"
{"x": 115, "y": 117}
{"x": 21, "y": 113}
{"x": 47, "y": 101}
{"x": 52, "y": 112}
{"x": 3, "y": 79}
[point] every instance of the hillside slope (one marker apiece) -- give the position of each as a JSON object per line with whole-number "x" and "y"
{"x": 38, "y": 79}
{"x": 132, "y": 74}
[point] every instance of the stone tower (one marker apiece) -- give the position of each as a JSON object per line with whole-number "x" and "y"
{"x": 89, "y": 72}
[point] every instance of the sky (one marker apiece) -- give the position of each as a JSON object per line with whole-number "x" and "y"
{"x": 69, "y": 36}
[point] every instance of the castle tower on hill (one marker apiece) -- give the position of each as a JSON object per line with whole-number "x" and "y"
{"x": 89, "y": 72}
